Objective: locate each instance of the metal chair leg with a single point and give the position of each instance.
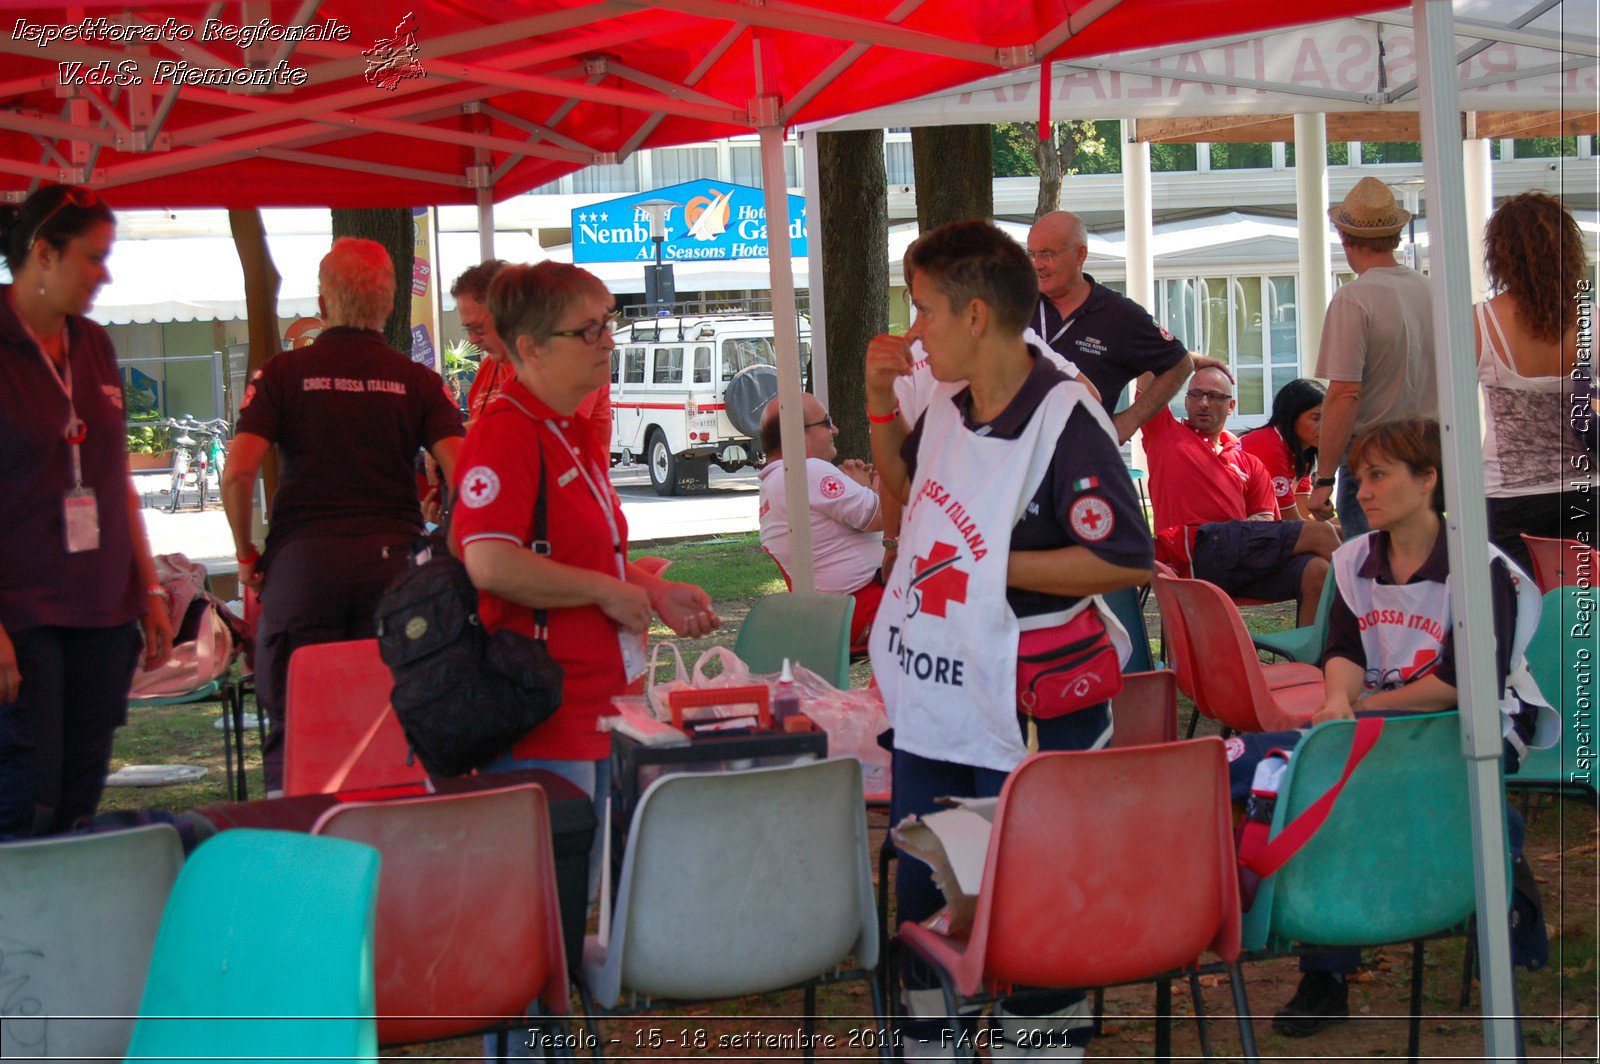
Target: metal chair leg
(1241, 1005)
(1469, 963)
(590, 1023)
(1200, 1013)
(1194, 719)
(880, 1014)
(1414, 1042)
(1099, 1010)
(811, 1018)
(886, 853)
(1164, 1019)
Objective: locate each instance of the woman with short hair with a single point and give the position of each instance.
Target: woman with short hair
(555, 320)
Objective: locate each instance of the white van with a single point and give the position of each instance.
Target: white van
(687, 391)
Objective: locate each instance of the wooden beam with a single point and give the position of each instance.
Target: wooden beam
(1492, 124)
(1361, 125)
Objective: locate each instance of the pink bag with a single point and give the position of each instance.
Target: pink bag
(1069, 667)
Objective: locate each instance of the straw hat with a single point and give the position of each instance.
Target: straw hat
(1369, 210)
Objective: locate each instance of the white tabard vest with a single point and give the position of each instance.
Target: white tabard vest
(944, 643)
(1403, 628)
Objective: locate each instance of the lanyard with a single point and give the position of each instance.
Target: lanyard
(74, 431)
(600, 497)
(1065, 325)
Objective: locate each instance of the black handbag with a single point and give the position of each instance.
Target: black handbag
(462, 696)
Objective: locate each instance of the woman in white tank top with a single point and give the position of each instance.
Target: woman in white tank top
(1527, 347)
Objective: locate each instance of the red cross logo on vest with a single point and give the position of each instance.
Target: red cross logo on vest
(1420, 665)
(936, 582)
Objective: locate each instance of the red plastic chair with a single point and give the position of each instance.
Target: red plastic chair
(468, 928)
(1234, 687)
(1145, 711)
(1560, 562)
(342, 736)
(1069, 902)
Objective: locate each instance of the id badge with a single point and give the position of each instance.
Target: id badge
(634, 662)
(82, 520)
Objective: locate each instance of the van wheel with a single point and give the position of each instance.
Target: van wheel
(663, 464)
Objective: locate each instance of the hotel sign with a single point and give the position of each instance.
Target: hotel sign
(709, 220)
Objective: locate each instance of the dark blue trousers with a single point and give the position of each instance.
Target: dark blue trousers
(55, 738)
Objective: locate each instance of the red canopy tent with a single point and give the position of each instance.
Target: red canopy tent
(501, 94)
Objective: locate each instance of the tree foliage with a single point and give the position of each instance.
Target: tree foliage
(1077, 146)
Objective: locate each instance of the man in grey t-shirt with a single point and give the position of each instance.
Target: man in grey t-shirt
(1377, 343)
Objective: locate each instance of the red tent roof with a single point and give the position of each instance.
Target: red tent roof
(503, 93)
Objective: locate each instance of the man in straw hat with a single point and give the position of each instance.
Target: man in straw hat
(1377, 343)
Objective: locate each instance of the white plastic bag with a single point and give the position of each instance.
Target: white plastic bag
(717, 667)
(853, 720)
(657, 693)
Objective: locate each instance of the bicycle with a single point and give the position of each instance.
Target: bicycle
(200, 459)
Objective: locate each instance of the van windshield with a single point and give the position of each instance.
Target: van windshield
(745, 352)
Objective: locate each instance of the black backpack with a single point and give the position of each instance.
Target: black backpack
(463, 697)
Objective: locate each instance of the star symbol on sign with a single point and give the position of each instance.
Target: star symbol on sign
(936, 581)
(604, 217)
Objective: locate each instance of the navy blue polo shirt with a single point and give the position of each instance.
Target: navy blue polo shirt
(40, 583)
(347, 414)
(1086, 462)
(1110, 338)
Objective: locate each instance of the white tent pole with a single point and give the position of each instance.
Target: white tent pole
(1138, 217)
(485, 224)
(1475, 156)
(786, 336)
(819, 332)
(1467, 522)
(1311, 195)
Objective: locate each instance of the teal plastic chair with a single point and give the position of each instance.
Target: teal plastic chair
(1553, 658)
(811, 630)
(1125, 604)
(78, 916)
(1302, 644)
(265, 950)
(1392, 863)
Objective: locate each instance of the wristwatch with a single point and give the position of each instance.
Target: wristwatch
(1325, 482)
(891, 542)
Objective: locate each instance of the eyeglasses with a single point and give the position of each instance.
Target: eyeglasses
(590, 334)
(826, 422)
(1047, 255)
(475, 330)
(78, 197)
(1197, 395)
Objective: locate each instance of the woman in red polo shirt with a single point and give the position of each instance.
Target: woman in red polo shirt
(555, 320)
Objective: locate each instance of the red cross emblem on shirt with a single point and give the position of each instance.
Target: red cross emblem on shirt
(936, 582)
(1422, 664)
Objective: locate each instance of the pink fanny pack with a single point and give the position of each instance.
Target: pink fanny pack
(1069, 667)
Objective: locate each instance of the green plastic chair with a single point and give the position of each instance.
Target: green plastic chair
(1302, 644)
(1392, 863)
(265, 950)
(811, 630)
(1555, 656)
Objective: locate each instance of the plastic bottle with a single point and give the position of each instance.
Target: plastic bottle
(786, 701)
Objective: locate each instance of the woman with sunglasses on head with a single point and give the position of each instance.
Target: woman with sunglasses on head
(77, 582)
(555, 321)
(1287, 444)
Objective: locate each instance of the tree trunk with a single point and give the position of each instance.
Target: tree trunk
(854, 229)
(393, 228)
(955, 174)
(1047, 155)
(261, 307)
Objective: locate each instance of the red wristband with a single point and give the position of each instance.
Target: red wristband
(249, 559)
(886, 418)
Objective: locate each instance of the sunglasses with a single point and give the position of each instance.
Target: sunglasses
(81, 198)
(826, 422)
(590, 334)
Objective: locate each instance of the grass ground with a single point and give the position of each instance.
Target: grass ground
(1558, 1003)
